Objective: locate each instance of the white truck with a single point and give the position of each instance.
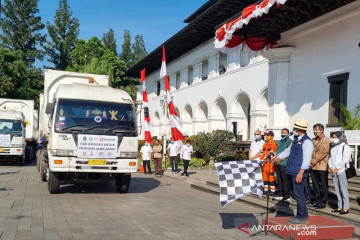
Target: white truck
(12, 136)
(26, 107)
(88, 129)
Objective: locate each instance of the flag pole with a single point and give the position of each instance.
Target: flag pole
(166, 130)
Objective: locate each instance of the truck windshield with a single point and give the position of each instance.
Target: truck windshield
(94, 116)
(9, 126)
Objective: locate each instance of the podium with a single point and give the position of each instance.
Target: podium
(319, 227)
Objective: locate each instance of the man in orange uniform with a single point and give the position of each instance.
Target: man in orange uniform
(268, 168)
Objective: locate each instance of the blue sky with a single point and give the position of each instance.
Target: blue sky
(156, 20)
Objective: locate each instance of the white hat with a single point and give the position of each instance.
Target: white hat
(301, 124)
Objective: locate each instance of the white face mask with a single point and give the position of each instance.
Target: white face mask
(335, 141)
(188, 144)
(295, 133)
(256, 137)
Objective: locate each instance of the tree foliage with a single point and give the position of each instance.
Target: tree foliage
(126, 54)
(352, 118)
(63, 36)
(17, 80)
(21, 28)
(94, 57)
(109, 41)
(138, 48)
(214, 144)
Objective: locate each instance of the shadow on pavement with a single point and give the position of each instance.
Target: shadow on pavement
(235, 220)
(5, 189)
(6, 173)
(137, 185)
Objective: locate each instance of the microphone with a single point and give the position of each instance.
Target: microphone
(290, 134)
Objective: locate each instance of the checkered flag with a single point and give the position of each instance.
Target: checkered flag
(238, 179)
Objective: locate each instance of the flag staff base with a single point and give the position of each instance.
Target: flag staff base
(266, 231)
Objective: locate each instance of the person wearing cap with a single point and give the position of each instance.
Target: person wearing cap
(299, 157)
(256, 146)
(268, 168)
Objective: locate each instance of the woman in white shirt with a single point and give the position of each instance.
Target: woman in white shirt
(340, 154)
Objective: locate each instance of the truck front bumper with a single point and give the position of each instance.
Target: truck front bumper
(74, 164)
(10, 153)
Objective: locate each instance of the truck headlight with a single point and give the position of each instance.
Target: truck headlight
(62, 152)
(128, 154)
(16, 145)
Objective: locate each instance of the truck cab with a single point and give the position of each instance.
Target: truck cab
(92, 136)
(12, 136)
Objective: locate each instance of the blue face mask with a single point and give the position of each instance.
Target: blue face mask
(172, 141)
(256, 137)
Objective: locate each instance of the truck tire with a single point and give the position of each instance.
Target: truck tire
(53, 183)
(122, 182)
(21, 160)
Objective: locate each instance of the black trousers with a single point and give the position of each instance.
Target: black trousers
(320, 184)
(174, 163)
(186, 165)
(147, 165)
(283, 180)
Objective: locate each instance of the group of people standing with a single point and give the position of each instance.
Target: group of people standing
(294, 161)
(173, 150)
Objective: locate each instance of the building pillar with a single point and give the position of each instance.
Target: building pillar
(278, 84)
(172, 82)
(197, 72)
(184, 77)
(233, 59)
(213, 65)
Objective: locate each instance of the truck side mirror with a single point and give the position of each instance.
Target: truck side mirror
(49, 107)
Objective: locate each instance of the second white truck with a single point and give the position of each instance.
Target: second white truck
(89, 131)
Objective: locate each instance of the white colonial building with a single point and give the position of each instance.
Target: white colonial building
(315, 64)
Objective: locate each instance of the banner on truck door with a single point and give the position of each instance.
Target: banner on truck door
(5, 140)
(97, 146)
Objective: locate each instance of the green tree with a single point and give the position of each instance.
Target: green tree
(21, 28)
(214, 144)
(17, 80)
(63, 36)
(126, 54)
(138, 48)
(352, 118)
(109, 41)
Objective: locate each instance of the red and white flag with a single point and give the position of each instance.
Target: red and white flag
(174, 119)
(147, 128)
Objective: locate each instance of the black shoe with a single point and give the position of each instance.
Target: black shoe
(320, 206)
(314, 204)
(187, 174)
(182, 174)
(343, 212)
(336, 210)
(150, 172)
(145, 173)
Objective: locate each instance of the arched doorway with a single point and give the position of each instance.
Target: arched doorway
(201, 118)
(241, 111)
(187, 120)
(219, 115)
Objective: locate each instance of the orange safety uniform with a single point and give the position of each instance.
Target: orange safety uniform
(268, 175)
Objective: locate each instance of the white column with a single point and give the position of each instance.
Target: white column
(233, 59)
(184, 77)
(172, 82)
(213, 65)
(279, 62)
(197, 72)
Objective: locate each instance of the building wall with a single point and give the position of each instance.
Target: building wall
(324, 47)
(298, 86)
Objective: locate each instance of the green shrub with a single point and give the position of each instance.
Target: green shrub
(197, 162)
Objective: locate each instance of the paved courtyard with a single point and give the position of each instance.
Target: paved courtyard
(154, 208)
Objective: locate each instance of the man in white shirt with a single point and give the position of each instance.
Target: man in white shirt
(185, 154)
(172, 150)
(256, 146)
(146, 151)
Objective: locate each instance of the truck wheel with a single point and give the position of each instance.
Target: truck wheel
(53, 183)
(21, 160)
(122, 182)
(42, 171)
